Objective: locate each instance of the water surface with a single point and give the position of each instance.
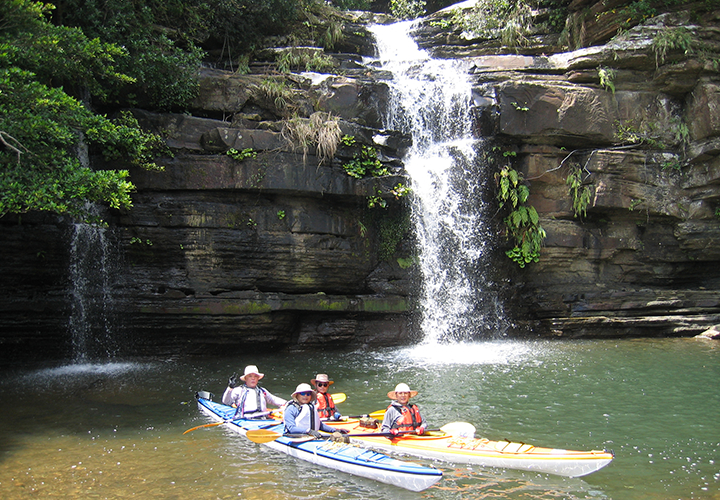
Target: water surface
(115, 430)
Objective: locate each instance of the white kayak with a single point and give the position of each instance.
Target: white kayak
(343, 457)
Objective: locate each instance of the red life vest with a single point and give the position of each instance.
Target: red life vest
(410, 418)
(325, 405)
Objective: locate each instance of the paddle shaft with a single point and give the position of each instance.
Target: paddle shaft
(387, 434)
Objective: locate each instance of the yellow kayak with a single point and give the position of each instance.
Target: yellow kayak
(480, 451)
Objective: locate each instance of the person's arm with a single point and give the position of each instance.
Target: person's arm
(227, 398)
(291, 412)
(391, 414)
(273, 400)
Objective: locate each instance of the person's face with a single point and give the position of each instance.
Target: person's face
(251, 380)
(304, 397)
(402, 397)
(322, 386)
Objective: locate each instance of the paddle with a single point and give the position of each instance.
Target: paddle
(265, 436)
(375, 414)
(340, 397)
(223, 422)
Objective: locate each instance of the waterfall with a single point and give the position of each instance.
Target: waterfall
(94, 262)
(432, 100)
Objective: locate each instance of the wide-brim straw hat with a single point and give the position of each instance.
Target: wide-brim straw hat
(401, 388)
(252, 369)
(304, 388)
(321, 377)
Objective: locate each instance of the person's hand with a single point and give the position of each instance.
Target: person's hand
(233, 381)
(314, 433)
(337, 415)
(342, 431)
(420, 430)
(394, 432)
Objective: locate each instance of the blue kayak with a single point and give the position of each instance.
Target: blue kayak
(343, 457)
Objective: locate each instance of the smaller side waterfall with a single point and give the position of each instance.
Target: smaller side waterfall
(431, 100)
(94, 263)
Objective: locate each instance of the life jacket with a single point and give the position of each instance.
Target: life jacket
(325, 405)
(409, 419)
(307, 418)
(260, 405)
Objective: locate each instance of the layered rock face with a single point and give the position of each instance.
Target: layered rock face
(639, 126)
(274, 246)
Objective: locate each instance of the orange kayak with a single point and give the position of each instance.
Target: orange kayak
(480, 451)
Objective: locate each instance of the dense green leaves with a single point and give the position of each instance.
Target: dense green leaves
(46, 135)
(522, 221)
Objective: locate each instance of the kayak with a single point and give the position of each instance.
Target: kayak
(344, 457)
(506, 454)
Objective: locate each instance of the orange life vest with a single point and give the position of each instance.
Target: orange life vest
(410, 418)
(325, 405)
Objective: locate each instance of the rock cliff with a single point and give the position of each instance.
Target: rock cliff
(255, 237)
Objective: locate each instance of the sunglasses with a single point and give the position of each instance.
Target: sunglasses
(304, 393)
(323, 384)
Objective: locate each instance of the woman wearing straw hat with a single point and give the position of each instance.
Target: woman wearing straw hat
(250, 399)
(301, 416)
(325, 404)
(401, 416)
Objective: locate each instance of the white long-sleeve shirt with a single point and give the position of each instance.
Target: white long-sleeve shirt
(250, 400)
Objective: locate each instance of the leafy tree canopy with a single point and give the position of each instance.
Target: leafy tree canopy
(45, 132)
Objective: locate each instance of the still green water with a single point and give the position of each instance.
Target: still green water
(116, 430)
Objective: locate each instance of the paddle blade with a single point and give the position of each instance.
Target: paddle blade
(201, 426)
(262, 436)
(340, 397)
(380, 414)
(459, 429)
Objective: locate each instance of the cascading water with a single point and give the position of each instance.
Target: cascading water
(93, 325)
(432, 100)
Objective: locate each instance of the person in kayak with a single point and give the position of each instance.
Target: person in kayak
(250, 399)
(401, 416)
(301, 415)
(325, 404)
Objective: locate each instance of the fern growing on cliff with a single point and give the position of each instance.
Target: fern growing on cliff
(579, 192)
(523, 221)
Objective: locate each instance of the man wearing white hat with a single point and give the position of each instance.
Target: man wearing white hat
(401, 416)
(250, 399)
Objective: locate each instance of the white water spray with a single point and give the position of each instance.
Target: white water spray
(431, 99)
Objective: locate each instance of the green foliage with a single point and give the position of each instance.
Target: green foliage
(392, 227)
(671, 39)
(165, 70)
(304, 60)
(607, 77)
(365, 162)
(352, 4)
(44, 131)
(376, 201)
(508, 20)
(281, 214)
(407, 9)
(241, 155)
(579, 192)
(522, 222)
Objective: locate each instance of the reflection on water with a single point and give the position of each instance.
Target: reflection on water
(116, 430)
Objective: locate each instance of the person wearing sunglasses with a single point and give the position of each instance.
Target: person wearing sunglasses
(301, 415)
(325, 404)
(401, 416)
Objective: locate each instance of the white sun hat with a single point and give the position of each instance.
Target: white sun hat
(252, 369)
(401, 387)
